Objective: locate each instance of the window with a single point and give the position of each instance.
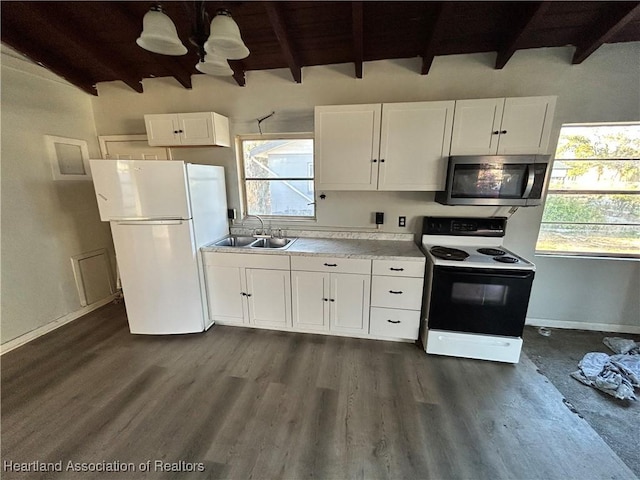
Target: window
(593, 200)
(278, 175)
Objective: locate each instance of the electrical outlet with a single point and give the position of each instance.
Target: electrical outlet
(379, 218)
(402, 221)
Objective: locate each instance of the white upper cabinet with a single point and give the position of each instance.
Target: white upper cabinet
(414, 145)
(198, 128)
(526, 125)
(502, 126)
(347, 142)
(391, 146)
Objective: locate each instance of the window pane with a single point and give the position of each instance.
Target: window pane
(602, 141)
(593, 199)
(595, 175)
(592, 208)
(284, 158)
(280, 197)
(590, 239)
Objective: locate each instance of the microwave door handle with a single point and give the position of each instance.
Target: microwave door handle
(530, 180)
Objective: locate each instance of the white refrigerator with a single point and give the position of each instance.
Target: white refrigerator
(161, 212)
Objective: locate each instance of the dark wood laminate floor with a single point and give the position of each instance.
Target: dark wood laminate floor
(264, 404)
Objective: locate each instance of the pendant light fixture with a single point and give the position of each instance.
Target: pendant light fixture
(215, 65)
(159, 34)
(216, 42)
(225, 39)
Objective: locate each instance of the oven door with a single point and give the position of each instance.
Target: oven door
(474, 300)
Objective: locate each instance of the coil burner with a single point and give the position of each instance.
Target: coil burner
(494, 252)
(448, 253)
(506, 259)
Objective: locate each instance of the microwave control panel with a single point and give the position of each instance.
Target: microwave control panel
(478, 227)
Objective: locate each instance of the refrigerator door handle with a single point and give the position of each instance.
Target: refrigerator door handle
(150, 222)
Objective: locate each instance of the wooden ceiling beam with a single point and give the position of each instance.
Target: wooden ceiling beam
(274, 12)
(606, 28)
(99, 56)
(520, 33)
(49, 60)
(174, 66)
(433, 37)
(358, 36)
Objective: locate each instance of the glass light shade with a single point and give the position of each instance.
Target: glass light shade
(215, 65)
(225, 40)
(159, 35)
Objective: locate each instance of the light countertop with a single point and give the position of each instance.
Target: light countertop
(338, 247)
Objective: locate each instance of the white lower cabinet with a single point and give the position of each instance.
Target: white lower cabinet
(349, 303)
(394, 323)
(268, 297)
(331, 302)
(248, 289)
(310, 294)
(396, 298)
(224, 294)
(316, 294)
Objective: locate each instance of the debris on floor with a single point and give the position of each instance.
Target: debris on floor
(618, 375)
(544, 331)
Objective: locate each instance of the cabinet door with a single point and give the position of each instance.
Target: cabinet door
(224, 294)
(414, 145)
(476, 126)
(349, 302)
(196, 128)
(310, 294)
(269, 297)
(526, 125)
(347, 142)
(162, 129)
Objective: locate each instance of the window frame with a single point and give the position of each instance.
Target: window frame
(239, 139)
(568, 193)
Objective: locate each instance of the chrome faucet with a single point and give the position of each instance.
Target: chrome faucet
(262, 231)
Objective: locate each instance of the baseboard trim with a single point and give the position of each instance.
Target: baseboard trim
(571, 325)
(49, 327)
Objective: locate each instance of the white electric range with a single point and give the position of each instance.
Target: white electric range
(476, 291)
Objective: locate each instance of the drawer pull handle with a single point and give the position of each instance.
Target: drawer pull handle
(325, 299)
(396, 269)
(330, 264)
(393, 321)
(332, 299)
(395, 293)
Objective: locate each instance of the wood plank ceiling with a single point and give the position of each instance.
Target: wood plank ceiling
(91, 42)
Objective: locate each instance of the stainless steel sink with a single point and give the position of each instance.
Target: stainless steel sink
(235, 241)
(253, 242)
(271, 242)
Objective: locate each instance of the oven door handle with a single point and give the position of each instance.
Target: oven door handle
(531, 178)
(487, 273)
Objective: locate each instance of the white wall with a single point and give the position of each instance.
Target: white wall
(44, 222)
(606, 87)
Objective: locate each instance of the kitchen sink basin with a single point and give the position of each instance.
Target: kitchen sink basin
(235, 241)
(271, 243)
(253, 242)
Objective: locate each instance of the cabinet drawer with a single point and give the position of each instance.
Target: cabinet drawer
(246, 260)
(387, 322)
(399, 268)
(396, 292)
(331, 264)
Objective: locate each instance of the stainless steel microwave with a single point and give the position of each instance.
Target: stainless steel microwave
(507, 180)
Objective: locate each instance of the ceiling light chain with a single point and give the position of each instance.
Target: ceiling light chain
(216, 43)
